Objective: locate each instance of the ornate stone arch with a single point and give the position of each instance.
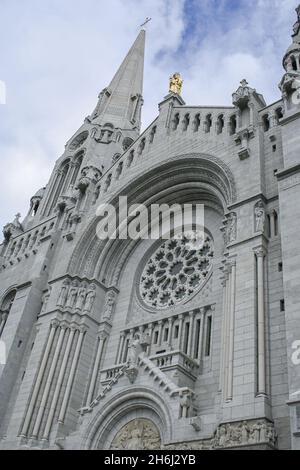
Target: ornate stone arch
(204, 175)
(138, 402)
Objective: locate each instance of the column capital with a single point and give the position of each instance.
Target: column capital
(260, 252)
(103, 334)
(55, 323)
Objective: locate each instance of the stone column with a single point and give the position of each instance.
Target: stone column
(39, 379)
(59, 383)
(201, 334)
(160, 323)
(223, 334)
(101, 342)
(45, 395)
(180, 331)
(121, 348)
(150, 328)
(191, 331)
(227, 331)
(71, 376)
(261, 325)
(231, 330)
(170, 333)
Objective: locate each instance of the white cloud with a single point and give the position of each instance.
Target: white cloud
(56, 56)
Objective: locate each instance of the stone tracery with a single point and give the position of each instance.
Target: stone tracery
(177, 269)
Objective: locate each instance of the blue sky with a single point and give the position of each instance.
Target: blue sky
(56, 55)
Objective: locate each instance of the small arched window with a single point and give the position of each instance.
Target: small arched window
(294, 63)
(142, 146)
(197, 122)
(208, 123)
(220, 124)
(279, 113)
(232, 125)
(152, 134)
(185, 122)
(266, 122)
(275, 217)
(77, 161)
(5, 309)
(176, 121)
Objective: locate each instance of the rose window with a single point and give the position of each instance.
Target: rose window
(177, 269)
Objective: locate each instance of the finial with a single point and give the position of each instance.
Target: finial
(176, 83)
(244, 83)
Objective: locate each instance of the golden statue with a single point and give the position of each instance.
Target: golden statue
(176, 83)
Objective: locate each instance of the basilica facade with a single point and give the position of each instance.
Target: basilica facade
(154, 344)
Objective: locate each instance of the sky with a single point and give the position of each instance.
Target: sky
(57, 55)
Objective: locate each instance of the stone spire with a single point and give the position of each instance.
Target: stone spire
(120, 103)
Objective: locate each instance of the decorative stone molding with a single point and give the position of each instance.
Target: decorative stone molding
(229, 228)
(233, 435)
(76, 296)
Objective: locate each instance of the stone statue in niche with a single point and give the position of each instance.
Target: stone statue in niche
(139, 434)
(72, 294)
(81, 298)
(63, 295)
(109, 304)
(90, 298)
(135, 349)
(260, 217)
(232, 227)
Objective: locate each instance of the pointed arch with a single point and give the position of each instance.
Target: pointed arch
(188, 176)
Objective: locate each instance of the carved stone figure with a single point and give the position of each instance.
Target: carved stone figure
(109, 304)
(134, 350)
(90, 298)
(244, 432)
(176, 83)
(80, 298)
(260, 217)
(139, 434)
(63, 293)
(231, 227)
(72, 294)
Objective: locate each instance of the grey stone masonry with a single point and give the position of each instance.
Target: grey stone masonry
(159, 344)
